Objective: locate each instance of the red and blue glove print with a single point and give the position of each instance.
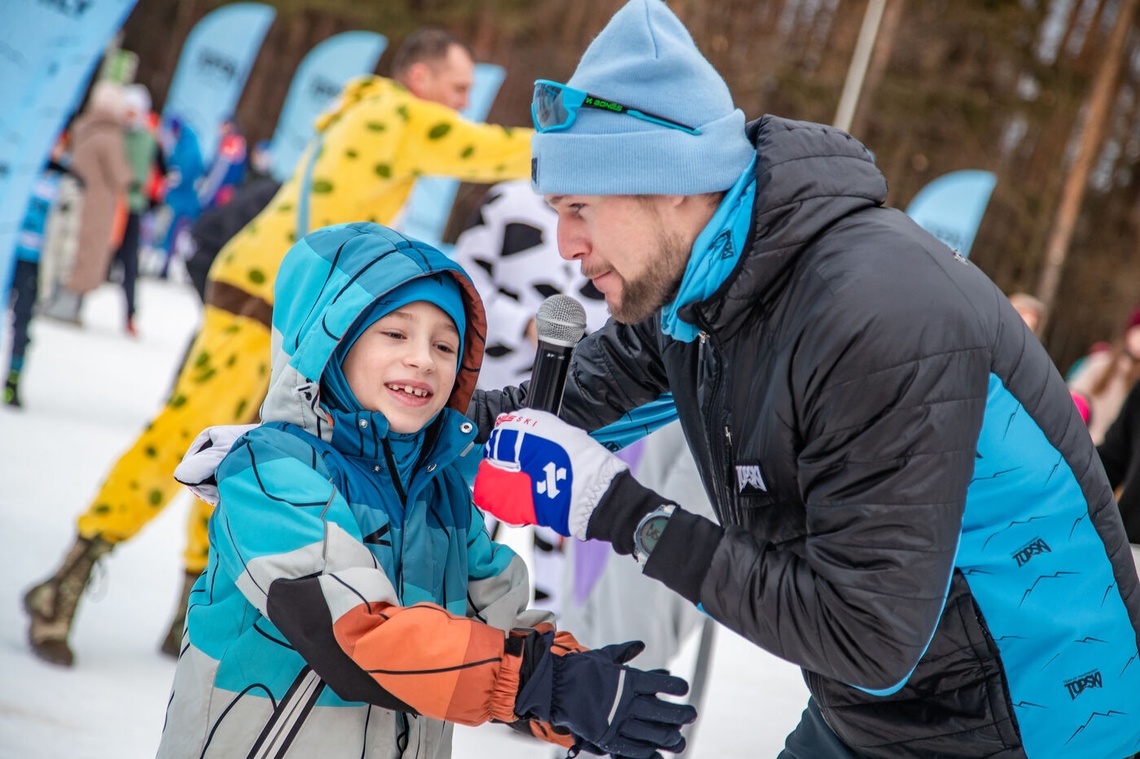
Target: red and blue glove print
(540, 470)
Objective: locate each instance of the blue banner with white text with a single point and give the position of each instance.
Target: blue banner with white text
(951, 207)
(213, 67)
(320, 77)
(50, 49)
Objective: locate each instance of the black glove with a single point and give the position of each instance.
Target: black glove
(619, 511)
(610, 707)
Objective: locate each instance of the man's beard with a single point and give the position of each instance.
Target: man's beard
(657, 286)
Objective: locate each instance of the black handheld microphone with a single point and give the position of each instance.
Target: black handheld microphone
(561, 322)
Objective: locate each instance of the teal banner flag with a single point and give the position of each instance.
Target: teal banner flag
(951, 207)
(212, 69)
(49, 50)
(320, 77)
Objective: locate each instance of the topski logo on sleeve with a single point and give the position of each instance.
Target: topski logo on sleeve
(749, 479)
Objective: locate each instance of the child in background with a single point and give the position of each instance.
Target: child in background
(227, 172)
(353, 605)
(1105, 377)
(1033, 313)
(30, 244)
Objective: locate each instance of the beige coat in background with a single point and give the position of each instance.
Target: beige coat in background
(100, 159)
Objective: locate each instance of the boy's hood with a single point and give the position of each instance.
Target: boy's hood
(325, 283)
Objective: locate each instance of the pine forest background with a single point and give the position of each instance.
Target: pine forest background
(1008, 86)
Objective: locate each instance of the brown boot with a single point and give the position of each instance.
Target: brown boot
(52, 603)
(172, 643)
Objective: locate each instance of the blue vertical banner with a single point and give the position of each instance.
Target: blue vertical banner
(428, 208)
(212, 69)
(320, 77)
(49, 50)
(951, 207)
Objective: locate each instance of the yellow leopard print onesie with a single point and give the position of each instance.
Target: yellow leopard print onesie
(373, 145)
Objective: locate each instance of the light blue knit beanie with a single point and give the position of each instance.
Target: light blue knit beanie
(646, 59)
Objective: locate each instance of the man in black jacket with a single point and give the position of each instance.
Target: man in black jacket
(909, 505)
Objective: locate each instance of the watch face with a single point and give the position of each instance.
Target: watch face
(650, 533)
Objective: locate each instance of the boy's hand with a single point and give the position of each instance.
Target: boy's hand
(538, 469)
(611, 707)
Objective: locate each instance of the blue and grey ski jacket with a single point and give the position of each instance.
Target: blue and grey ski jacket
(346, 613)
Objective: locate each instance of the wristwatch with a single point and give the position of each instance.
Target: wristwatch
(649, 531)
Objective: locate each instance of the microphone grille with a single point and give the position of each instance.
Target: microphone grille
(561, 320)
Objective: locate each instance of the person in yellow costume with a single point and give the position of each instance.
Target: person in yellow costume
(368, 151)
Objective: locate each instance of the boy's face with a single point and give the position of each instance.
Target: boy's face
(404, 365)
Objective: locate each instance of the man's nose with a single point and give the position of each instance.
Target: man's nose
(571, 246)
(462, 99)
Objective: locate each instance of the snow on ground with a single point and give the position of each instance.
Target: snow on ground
(87, 391)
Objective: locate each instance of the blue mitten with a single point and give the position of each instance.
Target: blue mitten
(611, 707)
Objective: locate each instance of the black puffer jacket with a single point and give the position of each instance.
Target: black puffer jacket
(913, 511)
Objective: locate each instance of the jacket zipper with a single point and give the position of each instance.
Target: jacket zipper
(730, 511)
(738, 517)
(390, 458)
(288, 717)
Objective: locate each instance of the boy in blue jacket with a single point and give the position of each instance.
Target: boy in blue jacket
(353, 605)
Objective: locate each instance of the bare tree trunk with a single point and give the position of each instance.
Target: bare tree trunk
(880, 57)
(849, 98)
(1100, 101)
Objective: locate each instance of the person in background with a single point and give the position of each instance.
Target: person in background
(1105, 377)
(218, 225)
(260, 160)
(142, 154)
(98, 156)
(184, 169)
(228, 170)
(1031, 310)
(908, 505)
(1120, 454)
(30, 244)
(61, 235)
(508, 248)
(369, 149)
(349, 569)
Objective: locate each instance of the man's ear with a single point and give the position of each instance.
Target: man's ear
(692, 212)
(416, 77)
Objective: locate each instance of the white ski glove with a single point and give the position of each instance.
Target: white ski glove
(200, 464)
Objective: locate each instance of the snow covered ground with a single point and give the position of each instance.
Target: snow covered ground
(87, 392)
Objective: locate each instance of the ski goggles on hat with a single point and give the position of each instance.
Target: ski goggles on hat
(555, 107)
